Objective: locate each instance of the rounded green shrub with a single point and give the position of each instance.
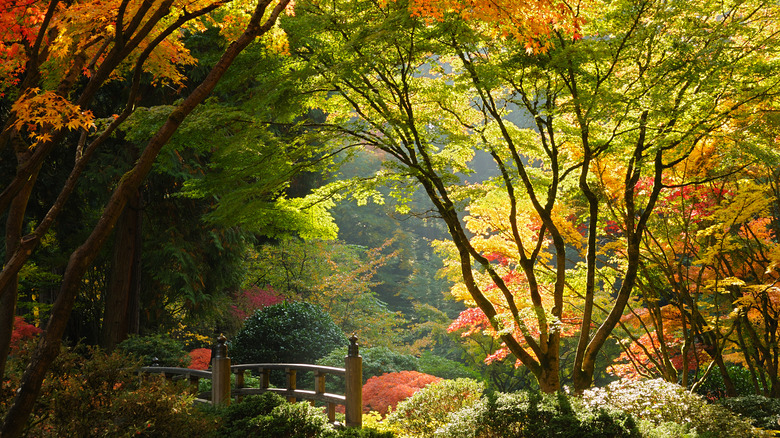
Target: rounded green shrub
(293, 420)
(530, 414)
(159, 349)
(296, 332)
(763, 412)
(656, 402)
(364, 433)
(236, 419)
(429, 408)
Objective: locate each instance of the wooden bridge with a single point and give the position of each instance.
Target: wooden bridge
(222, 391)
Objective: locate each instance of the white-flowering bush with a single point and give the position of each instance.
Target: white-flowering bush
(656, 402)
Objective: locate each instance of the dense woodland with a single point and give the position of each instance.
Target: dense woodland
(537, 195)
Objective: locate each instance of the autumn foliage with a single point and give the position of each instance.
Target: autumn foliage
(200, 358)
(529, 21)
(22, 332)
(254, 298)
(382, 393)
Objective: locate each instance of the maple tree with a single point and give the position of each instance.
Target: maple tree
(709, 283)
(432, 94)
(55, 58)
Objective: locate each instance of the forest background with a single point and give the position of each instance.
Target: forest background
(599, 181)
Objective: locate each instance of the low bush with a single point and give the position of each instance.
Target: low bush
(656, 402)
(429, 408)
(235, 419)
(200, 358)
(159, 349)
(89, 393)
(296, 332)
(763, 412)
(530, 414)
(269, 416)
(293, 420)
(381, 393)
(22, 332)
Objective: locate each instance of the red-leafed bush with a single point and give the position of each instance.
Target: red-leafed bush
(199, 358)
(22, 332)
(385, 391)
(255, 298)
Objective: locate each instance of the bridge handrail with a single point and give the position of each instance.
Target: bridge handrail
(201, 374)
(283, 366)
(221, 387)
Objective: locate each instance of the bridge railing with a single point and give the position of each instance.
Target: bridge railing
(222, 391)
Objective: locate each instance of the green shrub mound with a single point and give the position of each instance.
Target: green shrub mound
(167, 352)
(763, 412)
(296, 332)
(664, 409)
(269, 416)
(530, 414)
(429, 408)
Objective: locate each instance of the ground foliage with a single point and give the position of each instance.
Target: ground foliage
(90, 393)
(659, 404)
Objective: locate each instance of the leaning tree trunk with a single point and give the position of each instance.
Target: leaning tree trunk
(49, 344)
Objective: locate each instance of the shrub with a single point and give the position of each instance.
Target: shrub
(200, 358)
(530, 414)
(97, 394)
(381, 393)
(763, 412)
(22, 332)
(293, 420)
(268, 415)
(167, 351)
(713, 387)
(296, 332)
(428, 409)
(657, 402)
(236, 418)
(364, 433)
(445, 368)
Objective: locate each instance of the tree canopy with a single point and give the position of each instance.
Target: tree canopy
(582, 135)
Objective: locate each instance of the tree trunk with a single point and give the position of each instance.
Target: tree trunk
(123, 285)
(9, 296)
(549, 378)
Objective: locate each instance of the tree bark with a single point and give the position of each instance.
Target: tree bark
(118, 317)
(9, 295)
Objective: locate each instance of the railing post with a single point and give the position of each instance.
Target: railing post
(319, 389)
(291, 383)
(354, 391)
(220, 374)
